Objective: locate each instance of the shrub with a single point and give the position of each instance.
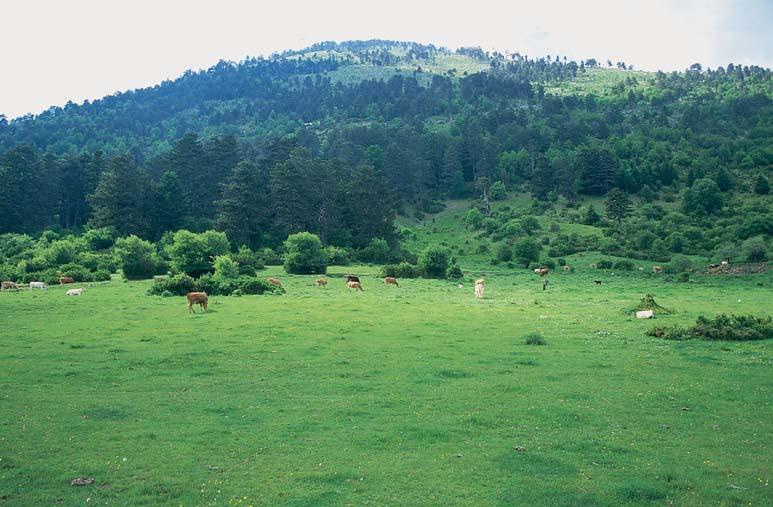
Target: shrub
(62, 251)
(378, 251)
(624, 265)
(137, 258)
(549, 263)
(454, 272)
(434, 261)
(678, 264)
(535, 339)
(100, 239)
(249, 261)
(402, 270)
(604, 264)
(504, 252)
(497, 191)
(179, 285)
(561, 261)
(269, 257)
(755, 249)
(77, 272)
(97, 260)
(194, 253)
(304, 254)
(722, 327)
(166, 294)
(683, 277)
(555, 227)
(529, 224)
(102, 275)
(526, 250)
(225, 267)
(337, 256)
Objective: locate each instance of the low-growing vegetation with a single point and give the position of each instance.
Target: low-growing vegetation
(721, 327)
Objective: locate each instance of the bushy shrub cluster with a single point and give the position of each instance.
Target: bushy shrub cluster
(722, 327)
(181, 284)
(402, 270)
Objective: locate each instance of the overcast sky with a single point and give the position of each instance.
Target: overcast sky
(53, 51)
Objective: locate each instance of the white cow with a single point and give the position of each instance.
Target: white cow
(645, 314)
(479, 286)
(38, 285)
(75, 292)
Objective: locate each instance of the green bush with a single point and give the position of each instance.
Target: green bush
(549, 263)
(77, 272)
(454, 272)
(434, 261)
(679, 264)
(721, 327)
(402, 270)
(378, 251)
(624, 265)
(249, 261)
(604, 264)
(526, 250)
(194, 253)
(269, 257)
(137, 258)
(505, 252)
(337, 256)
(755, 249)
(100, 239)
(304, 254)
(102, 275)
(497, 192)
(179, 285)
(225, 267)
(534, 339)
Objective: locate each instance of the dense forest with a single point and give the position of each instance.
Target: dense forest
(340, 138)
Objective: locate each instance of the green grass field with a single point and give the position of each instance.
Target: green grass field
(416, 395)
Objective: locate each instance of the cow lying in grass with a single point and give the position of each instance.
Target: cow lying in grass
(75, 292)
(197, 297)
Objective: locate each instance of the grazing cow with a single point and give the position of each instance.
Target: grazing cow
(75, 292)
(597, 282)
(645, 314)
(66, 279)
(321, 282)
(352, 278)
(479, 287)
(9, 286)
(593, 265)
(274, 281)
(38, 285)
(197, 297)
(537, 270)
(656, 269)
(355, 286)
(544, 271)
(567, 269)
(391, 280)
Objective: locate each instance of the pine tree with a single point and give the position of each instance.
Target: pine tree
(367, 208)
(171, 202)
(121, 199)
(597, 170)
(241, 208)
(761, 186)
(618, 204)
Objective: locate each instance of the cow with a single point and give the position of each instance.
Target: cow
(537, 270)
(597, 282)
(391, 280)
(38, 285)
(567, 269)
(274, 281)
(321, 282)
(9, 286)
(197, 297)
(544, 271)
(66, 279)
(656, 269)
(75, 292)
(645, 314)
(352, 278)
(479, 287)
(355, 286)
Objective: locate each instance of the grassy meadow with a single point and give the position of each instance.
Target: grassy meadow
(410, 395)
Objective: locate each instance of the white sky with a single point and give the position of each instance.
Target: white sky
(52, 51)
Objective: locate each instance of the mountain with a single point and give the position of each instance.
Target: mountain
(270, 146)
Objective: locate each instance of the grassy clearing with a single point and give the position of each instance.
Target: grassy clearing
(405, 396)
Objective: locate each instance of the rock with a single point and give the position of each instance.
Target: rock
(519, 448)
(459, 455)
(82, 481)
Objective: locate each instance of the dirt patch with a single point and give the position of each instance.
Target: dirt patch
(737, 269)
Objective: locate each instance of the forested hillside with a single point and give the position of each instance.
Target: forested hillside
(338, 139)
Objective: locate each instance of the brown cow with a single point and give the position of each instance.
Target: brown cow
(321, 282)
(657, 269)
(197, 297)
(391, 280)
(274, 281)
(355, 286)
(544, 271)
(66, 279)
(9, 286)
(352, 278)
